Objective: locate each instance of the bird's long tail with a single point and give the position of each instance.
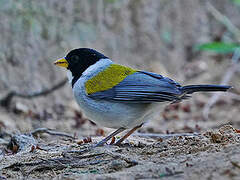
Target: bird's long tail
(198, 88)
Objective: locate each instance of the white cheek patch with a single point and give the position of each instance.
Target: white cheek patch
(70, 76)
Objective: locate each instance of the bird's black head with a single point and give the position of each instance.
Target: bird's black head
(78, 60)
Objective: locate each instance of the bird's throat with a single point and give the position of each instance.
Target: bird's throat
(70, 77)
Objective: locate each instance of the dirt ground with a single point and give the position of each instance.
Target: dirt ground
(209, 155)
(198, 149)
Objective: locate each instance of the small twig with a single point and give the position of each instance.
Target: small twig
(70, 155)
(51, 132)
(165, 136)
(225, 80)
(235, 164)
(224, 20)
(235, 59)
(6, 101)
(233, 96)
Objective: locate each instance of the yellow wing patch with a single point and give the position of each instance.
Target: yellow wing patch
(108, 78)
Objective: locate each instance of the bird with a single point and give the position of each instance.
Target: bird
(121, 97)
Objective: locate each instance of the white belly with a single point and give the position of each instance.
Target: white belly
(111, 114)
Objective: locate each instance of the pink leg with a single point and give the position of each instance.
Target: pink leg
(102, 142)
(126, 135)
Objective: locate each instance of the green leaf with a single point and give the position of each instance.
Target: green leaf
(218, 47)
(110, 1)
(237, 2)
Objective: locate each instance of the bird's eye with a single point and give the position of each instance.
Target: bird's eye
(74, 59)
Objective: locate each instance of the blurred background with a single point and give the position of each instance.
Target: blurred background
(193, 42)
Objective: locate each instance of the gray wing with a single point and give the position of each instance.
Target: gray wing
(142, 87)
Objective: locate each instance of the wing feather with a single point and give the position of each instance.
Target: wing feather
(142, 87)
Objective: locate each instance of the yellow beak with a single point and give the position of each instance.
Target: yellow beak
(62, 62)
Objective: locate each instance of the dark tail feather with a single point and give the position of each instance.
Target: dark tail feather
(196, 88)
